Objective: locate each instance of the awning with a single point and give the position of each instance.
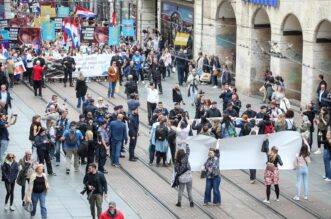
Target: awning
(272, 3)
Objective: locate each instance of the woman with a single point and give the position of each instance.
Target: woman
(9, 175)
(327, 157)
(90, 148)
(193, 81)
(323, 122)
(289, 115)
(177, 95)
(271, 175)
(183, 171)
(280, 124)
(301, 164)
(38, 187)
(81, 89)
(236, 103)
(34, 130)
(182, 132)
(26, 165)
(216, 71)
(213, 178)
(228, 128)
(278, 95)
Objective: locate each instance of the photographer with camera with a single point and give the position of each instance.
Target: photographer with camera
(96, 187)
(193, 81)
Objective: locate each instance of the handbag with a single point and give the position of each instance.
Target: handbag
(215, 73)
(28, 207)
(271, 167)
(265, 146)
(203, 174)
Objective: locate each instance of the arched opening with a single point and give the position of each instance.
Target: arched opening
(322, 51)
(290, 52)
(260, 48)
(226, 30)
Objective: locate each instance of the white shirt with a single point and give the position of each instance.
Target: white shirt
(4, 96)
(29, 59)
(152, 95)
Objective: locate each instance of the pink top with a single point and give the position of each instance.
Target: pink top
(302, 162)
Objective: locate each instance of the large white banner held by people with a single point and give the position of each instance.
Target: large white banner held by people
(93, 65)
(245, 152)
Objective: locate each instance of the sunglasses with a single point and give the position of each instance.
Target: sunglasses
(10, 157)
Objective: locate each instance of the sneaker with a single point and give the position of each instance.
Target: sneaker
(252, 181)
(57, 164)
(306, 197)
(324, 177)
(318, 151)
(12, 208)
(296, 198)
(117, 165)
(266, 201)
(52, 174)
(67, 171)
(205, 204)
(327, 180)
(277, 200)
(217, 204)
(215, 87)
(6, 207)
(191, 204)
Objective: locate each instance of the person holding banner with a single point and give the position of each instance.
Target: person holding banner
(113, 76)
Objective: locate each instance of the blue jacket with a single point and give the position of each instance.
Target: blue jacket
(118, 131)
(79, 136)
(133, 125)
(9, 172)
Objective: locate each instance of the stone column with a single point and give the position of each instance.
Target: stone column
(145, 16)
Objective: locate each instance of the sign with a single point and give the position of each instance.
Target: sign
(47, 10)
(13, 34)
(26, 35)
(101, 35)
(93, 65)
(114, 36)
(17, 22)
(58, 23)
(34, 7)
(63, 11)
(87, 34)
(181, 39)
(19, 68)
(37, 22)
(128, 27)
(48, 31)
(3, 24)
(4, 36)
(273, 3)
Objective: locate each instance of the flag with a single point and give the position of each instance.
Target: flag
(71, 32)
(66, 30)
(75, 37)
(83, 12)
(113, 18)
(38, 9)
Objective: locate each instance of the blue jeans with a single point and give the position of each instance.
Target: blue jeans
(116, 152)
(326, 158)
(3, 149)
(41, 197)
(111, 88)
(302, 173)
(215, 185)
(180, 72)
(58, 145)
(80, 101)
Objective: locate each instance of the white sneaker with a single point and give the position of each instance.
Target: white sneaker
(252, 181)
(306, 197)
(318, 151)
(266, 201)
(215, 86)
(296, 198)
(6, 207)
(324, 177)
(143, 82)
(12, 208)
(327, 180)
(277, 200)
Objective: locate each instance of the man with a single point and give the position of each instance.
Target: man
(138, 60)
(162, 109)
(133, 103)
(262, 112)
(152, 99)
(226, 96)
(322, 82)
(89, 97)
(311, 116)
(230, 111)
(5, 99)
(69, 66)
(225, 76)
(156, 74)
(61, 125)
(72, 139)
(91, 108)
(133, 133)
(323, 96)
(274, 110)
(103, 141)
(130, 86)
(112, 212)
(118, 134)
(176, 113)
(181, 64)
(96, 186)
(50, 116)
(29, 66)
(213, 111)
(249, 112)
(119, 63)
(4, 134)
(37, 78)
(113, 76)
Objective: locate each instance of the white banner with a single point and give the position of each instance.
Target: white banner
(93, 65)
(245, 152)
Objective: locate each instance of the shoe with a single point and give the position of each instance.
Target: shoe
(23, 203)
(252, 181)
(133, 160)
(105, 172)
(136, 158)
(52, 174)
(324, 177)
(65, 85)
(296, 198)
(6, 207)
(12, 208)
(191, 204)
(205, 204)
(215, 87)
(165, 165)
(57, 164)
(150, 164)
(117, 165)
(179, 204)
(306, 197)
(318, 151)
(217, 204)
(277, 200)
(266, 201)
(327, 180)
(122, 151)
(67, 171)
(78, 106)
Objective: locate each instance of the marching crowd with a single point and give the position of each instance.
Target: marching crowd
(101, 132)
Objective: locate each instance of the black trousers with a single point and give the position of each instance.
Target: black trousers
(158, 84)
(29, 75)
(160, 155)
(43, 156)
(150, 109)
(67, 73)
(10, 192)
(321, 137)
(102, 158)
(132, 146)
(37, 87)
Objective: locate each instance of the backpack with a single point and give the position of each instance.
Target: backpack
(232, 131)
(83, 149)
(246, 129)
(161, 132)
(71, 138)
(269, 128)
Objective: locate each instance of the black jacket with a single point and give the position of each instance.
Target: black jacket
(67, 62)
(101, 183)
(156, 72)
(212, 113)
(133, 125)
(118, 59)
(81, 88)
(176, 96)
(174, 112)
(131, 87)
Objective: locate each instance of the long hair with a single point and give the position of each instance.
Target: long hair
(179, 155)
(88, 135)
(273, 154)
(304, 151)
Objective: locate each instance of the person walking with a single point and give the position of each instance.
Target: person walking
(271, 173)
(69, 66)
(327, 157)
(96, 186)
(193, 81)
(9, 174)
(112, 212)
(323, 122)
(158, 138)
(4, 134)
(103, 144)
(213, 178)
(38, 187)
(81, 89)
(72, 139)
(152, 100)
(37, 78)
(113, 76)
(133, 126)
(301, 163)
(61, 125)
(156, 75)
(118, 134)
(183, 171)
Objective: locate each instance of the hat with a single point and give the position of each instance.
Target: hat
(244, 118)
(112, 204)
(248, 105)
(214, 102)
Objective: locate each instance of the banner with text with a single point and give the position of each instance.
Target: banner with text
(93, 65)
(114, 36)
(127, 27)
(48, 31)
(4, 36)
(58, 23)
(63, 11)
(47, 10)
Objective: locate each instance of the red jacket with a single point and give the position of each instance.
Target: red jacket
(37, 73)
(105, 215)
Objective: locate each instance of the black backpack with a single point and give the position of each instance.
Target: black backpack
(161, 132)
(71, 138)
(246, 129)
(83, 149)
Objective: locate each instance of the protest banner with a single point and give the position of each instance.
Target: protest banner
(63, 11)
(19, 68)
(46, 10)
(2, 9)
(58, 23)
(13, 34)
(181, 39)
(93, 65)
(34, 7)
(101, 35)
(87, 34)
(17, 22)
(114, 36)
(3, 24)
(37, 22)
(48, 31)
(245, 152)
(127, 27)
(4, 36)
(28, 35)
